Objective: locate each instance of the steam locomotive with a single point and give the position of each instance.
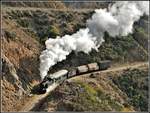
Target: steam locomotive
(62, 75)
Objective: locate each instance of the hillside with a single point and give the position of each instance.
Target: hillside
(59, 4)
(20, 61)
(26, 26)
(108, 91)
(46, 4)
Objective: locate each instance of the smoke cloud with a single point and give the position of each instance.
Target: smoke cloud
(117, 20)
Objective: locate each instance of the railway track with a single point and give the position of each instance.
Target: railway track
(36, 101)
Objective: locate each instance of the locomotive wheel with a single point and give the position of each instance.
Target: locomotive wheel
(42, 91)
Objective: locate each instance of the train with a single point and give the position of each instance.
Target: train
(61, 75)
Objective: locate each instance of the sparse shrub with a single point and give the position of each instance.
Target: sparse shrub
(12, 12)
(42, 40)
(10, 15)
(31, 32)
(23, 23)
(26, 13)
(53, 31)
(10, 35)
(41, 21)
(18, 13)
(78, 26)
(42, 33)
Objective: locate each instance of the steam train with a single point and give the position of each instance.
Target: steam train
(62, 75)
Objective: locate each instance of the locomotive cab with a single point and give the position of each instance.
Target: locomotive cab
(45, 83)
(50, 79)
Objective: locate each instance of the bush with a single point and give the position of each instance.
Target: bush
(10, 35)
(23, 23)
(41, 21)
(141, 37)
(53, 31)
(42, 40)
(27, 13)
(117, 48)
(135, 84)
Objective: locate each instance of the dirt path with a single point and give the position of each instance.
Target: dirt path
(127, 66)
(36, 100)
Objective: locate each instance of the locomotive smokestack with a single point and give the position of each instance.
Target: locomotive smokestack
(117, 20)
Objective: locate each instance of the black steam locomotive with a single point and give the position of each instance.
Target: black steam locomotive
(62, 75)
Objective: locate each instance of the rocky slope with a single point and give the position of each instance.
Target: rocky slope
(20, 62)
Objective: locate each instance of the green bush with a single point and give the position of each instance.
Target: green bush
(53, 31)
(23, 23)
(141, 37)
(41, 21)
(42, 40)
(135, 84)
(116, 48)
(27, 13)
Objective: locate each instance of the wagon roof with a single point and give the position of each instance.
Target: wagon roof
(105, 61)
(82, 67)
(92, 64)
(58, 74)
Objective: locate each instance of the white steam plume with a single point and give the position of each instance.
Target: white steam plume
(118, 19)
